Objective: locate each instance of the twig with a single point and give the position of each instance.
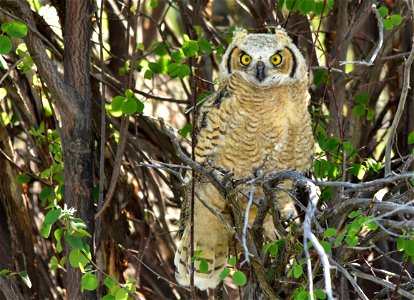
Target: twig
(382, 282)
(308, 235)
(117, 166)
(350, 279)
(246, 224)
(377, 48)
(400, 109)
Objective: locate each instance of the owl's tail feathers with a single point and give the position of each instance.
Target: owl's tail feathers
(214, 252)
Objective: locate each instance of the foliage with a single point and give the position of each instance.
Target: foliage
(168, 62)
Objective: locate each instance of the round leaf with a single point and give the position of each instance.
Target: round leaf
(117, 103)
(297, 271)
(383, 11)
(329, 232)
(5, 44)
(74, 241)
(129, 107)
(23, 178)
(76, 258)
(15, 29)
(409, 247)
(239, 278)
(396, 20)
(203, 267)
(89, 282)
(121, 294)
(224, 273)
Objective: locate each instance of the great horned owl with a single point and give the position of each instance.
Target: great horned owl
(257, 119)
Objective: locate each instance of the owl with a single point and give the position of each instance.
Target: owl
(257, 119)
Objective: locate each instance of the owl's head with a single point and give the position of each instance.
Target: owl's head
(263, 59)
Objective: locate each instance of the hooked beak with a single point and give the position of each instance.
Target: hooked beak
(260, 68)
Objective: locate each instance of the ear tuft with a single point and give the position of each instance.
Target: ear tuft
(238, 35)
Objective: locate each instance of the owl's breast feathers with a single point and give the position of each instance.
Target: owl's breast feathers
(243, 126)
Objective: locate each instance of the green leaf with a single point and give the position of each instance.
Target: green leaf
(190, 48)
(332, 144)
(148, 74)
(400, 243)
(23, 178)
(184, 71)
(204, 45)
(297, 271)
(362, 98)
(155, 67)
(272, 248)
(121, 294)
(330, 232)
(117, 103)
(359, 110)
(140, 105)
(160, 49)
(396, 20)
(110, 281)
(354, 214)
(352, 240)
(186, 130)
(129, 107)
(239, 278)
(5, 45)
(383, 11)
(370, 114)
(76, 258)
(224, 273)
(319, 294)
(6, 271)
(108, 297)
(52, 216)
(388, 24)
(140, 46)
(232, 261)
(89, 282)
(45, 230)
(326, 246)
(74, 241)
(173, 69)
(25, 277)
(154, 3)
(177, 55)
(339, 239)
(58, 234)
(306, 6)
(15, 29)
(411, 138)
(203, 267)
(82, 233)
(409, 247)
(320, 76)
(372, 225)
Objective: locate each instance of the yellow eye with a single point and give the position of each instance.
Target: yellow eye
(245, 59)
(276, 59)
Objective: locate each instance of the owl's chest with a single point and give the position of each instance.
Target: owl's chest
(252, 135)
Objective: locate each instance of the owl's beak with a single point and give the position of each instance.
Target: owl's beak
(260, 68)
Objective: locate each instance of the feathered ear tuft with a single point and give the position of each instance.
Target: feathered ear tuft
(282, 36)
(238, 35)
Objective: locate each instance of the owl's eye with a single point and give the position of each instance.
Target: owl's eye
(276, 59)
(245, 59)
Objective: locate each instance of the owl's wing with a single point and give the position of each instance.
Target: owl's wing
(208, 104)
(211, 123)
